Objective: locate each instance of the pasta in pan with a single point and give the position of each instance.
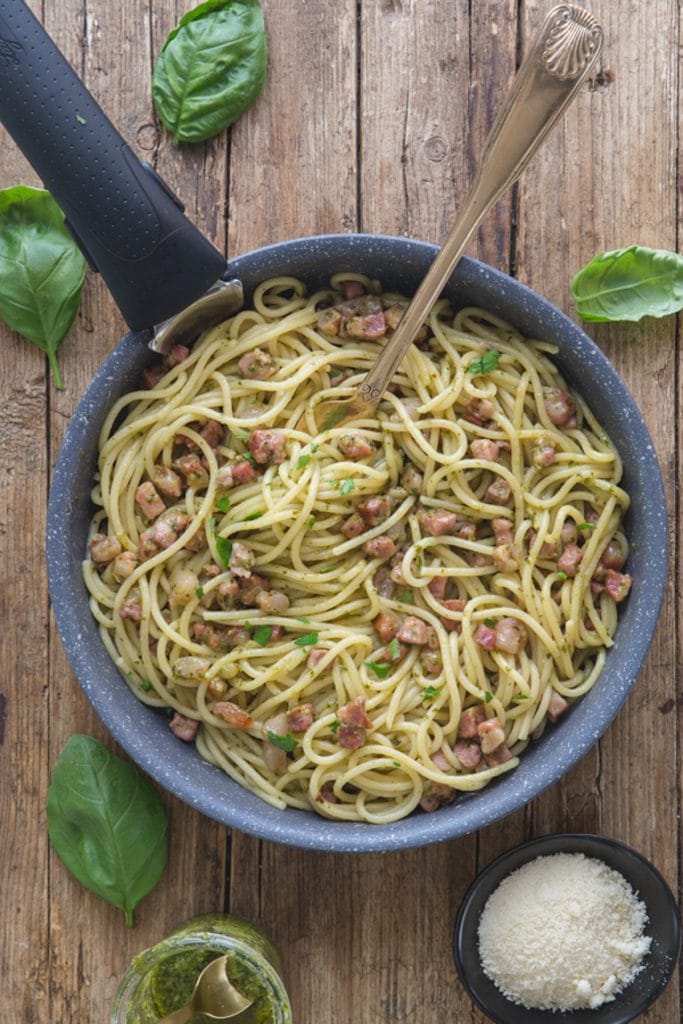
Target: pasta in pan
(377, 617)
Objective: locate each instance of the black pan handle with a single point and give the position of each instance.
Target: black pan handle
(125, 218)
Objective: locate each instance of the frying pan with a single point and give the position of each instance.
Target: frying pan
(156, 263)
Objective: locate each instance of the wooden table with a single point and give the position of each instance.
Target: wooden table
(372, 118)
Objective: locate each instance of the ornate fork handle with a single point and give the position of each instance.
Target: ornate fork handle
(563, 53)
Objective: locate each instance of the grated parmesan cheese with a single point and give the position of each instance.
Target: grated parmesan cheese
(563, 932)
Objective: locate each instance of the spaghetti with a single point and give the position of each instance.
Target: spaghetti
(373, 618)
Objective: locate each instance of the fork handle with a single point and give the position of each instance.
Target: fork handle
(563, 53)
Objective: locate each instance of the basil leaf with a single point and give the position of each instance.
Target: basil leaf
(106, 823)
(486, 363)
(303, 461)
(224, 551)
(306, 640)
(628, 284)
(286, 743)
(262, 634)
(347, 486)
(380, 670)
(210, 69)
(41, 270)
(223, 504)
(430, 692)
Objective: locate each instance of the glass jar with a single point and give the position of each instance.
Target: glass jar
(161, 979)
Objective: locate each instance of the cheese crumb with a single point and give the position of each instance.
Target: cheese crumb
(563, 932)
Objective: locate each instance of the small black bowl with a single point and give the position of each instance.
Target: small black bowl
(663, 926)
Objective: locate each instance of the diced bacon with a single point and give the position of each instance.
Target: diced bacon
(502, 531)
(486, 638)
(104, 549)
(479, 411)
(275, 634)
(237, 636)
(452, 604)
(151, 375)
(330, 321)
(184, 728)
(374, 509)
(353, 526)
(315, 656)
(386, 625)
(176, 356)
(369, 326)
(124, 565)
(394, 652)
(560, 407)
(232, 714)
(590, 514)
(413, 631)
(380, 547)
(393, 314)
(267, 446)
(483, 448)
(569, 533)
(438, 795)
(431, 662)
(147, 547)
(437, 587)
(470, 720)
(510, 635)
(251, 586)
(352, 289)
(383, 582)
(543, 455)
(466, 529)
(548, 549)
(617, 584)
(557, 705)
(441, 761)
(612, 557)
(506, 557)
(491, 735)
(477, 560)
(197, 542)
(192, 469)
(570, 559)
(411, 480)
(498, 756)
(191, 667)
(498, 493)
(355, 446)
(213, 433)
(234, 473)
(257, 365)
(166, 481)
(148, 501)
(301, 717)
(436, 524)
(241, 559)
(354, 724)
(326, 794)
(468, 754)
(131, 607)
(273, 602)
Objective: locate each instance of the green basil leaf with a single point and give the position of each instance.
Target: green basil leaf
(303, 461)
(486, 363)
(306, 640)
(223, 503)
(628, 284)
(286, 743)
(380, 670)
(347, 486)
(224, 551)
(210, 69)
(41, 270)
(106, 823)
(252, 515)
(262, 634)
(430, 692)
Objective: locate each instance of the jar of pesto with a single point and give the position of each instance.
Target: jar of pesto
(161, 979)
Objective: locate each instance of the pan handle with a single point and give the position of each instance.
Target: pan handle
(126, 220)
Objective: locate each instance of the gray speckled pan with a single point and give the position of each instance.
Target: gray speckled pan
(399, 264)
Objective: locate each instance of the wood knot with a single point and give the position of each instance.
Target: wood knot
(436, 149)
(147, 137)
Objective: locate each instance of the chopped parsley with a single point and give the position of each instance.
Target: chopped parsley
(250, 458)
(486, 363)
(223, 503)
(430, 692)
(396, 764)
(394, 649)
(303, 461)
(562, 575)
(587, 526)
(262, 634)
(307, 639)
(381, 671)
(488, 696)
(334, 725)
(145, 685)
(347, 486)
(286, 743)
(252, 516)
(224, 551)
(199, 591)
(310, 522)
(405, 596)
(490, 623)
(81, 120)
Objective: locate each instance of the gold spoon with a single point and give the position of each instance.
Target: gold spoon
(214, 995)
(564, 51)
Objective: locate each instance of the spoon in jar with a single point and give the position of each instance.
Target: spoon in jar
(563, 53)
(214, 996)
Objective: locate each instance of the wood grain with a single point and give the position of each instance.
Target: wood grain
(373, 118)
